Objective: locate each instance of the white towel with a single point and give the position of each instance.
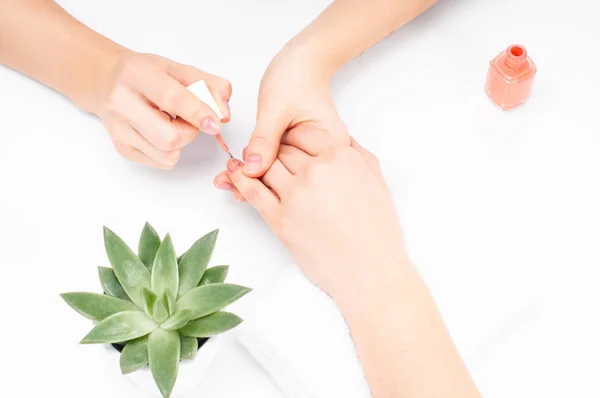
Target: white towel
(299, 336)
(296, 332)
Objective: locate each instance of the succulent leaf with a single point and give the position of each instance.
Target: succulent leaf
(123, 326)
(148, 301)
(129, 269)
(169, 302)
(97, 307)
(178, 320)
(210, 325)
(194, 262)
(165, 274)
(148, 246)
(206, 299)
(163, 355)
(111, 284)
(215, 274)
(159, 311)
(135, 355)
(189, 347)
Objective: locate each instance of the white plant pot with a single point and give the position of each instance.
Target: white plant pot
(189, 376)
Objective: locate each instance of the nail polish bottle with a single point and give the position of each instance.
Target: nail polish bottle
(510, 77)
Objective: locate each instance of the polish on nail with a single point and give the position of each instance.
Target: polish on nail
(233, 165)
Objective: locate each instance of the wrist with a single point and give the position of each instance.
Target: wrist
(375, 282)
(101, 72)
(313, 60)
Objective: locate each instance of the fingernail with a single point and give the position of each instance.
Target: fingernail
(226, 110)
(209, 126)
(225, 186)
(233, 164)
(252, 164)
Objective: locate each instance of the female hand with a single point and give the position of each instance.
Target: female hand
(330, 207)
(294, 92)
(135, 97)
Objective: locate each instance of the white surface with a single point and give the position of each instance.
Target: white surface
(190, 373)
(484, 196)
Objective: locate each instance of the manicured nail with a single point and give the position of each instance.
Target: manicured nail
(209, 126)
(233, 164)
(252, 164)
(225, 186)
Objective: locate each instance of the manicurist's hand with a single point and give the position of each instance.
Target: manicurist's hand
(329, 205)
(134, 96)
(132, 93)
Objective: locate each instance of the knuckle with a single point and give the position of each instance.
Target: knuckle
(253, 194)
(171, 97)
(167, 141)
(112, 102)
(315, 171)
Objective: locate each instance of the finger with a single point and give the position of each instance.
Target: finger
(139, 157)
(172, 97)
(310, 139)
(371, 159)
(254, 191)
(238, 196)
(262, 150)
(219, 88)
(222, 181)
(278, 178)
(126, 135)
(294, 159)
(156, 126)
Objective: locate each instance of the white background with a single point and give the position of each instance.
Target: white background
(501, 211)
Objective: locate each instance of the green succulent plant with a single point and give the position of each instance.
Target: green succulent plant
(157, 306)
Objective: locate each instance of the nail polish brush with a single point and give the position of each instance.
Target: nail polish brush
(201, 91)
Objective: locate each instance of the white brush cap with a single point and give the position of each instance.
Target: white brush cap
(200, 90)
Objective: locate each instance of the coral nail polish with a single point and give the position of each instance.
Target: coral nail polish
(510, 77)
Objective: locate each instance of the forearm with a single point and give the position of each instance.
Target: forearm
(41, 40)
(349, 27)
(402, 343)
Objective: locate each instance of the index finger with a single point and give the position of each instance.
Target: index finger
(172, 97)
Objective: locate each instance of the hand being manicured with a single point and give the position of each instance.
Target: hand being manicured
(330, 207)
(292, 94)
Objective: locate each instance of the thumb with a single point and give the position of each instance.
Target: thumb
(264, 143)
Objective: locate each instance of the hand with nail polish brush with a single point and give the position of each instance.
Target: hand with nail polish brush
(141, 99)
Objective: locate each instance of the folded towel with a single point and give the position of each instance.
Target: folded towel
(296, 332)
(299, 336)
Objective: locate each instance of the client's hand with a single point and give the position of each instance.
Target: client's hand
(330, 207)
